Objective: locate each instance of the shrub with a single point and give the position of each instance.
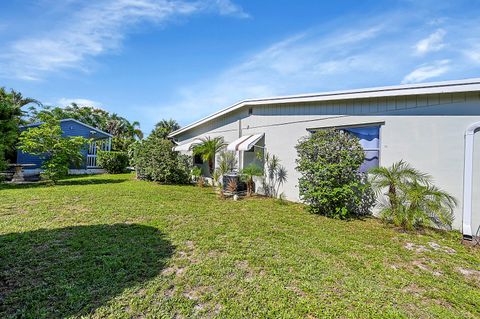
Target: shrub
(155, 160)
(410, 199)
(331, 184)
(113, 162)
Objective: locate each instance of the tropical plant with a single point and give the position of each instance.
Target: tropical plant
(208, 148)
(196, 173)
(392, 178)
(11, 113)
(410, 199)
(232, 186)
(58, 152)
(227, 163)
(124, 132)
(165, 127)
(330, 182)
(275, 175)
(113, 162)
(248, 173)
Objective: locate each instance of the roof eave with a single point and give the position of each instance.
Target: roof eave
(386, 91)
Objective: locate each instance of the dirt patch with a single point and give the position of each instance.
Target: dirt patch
(423, 265)
(297, 290)
(471, 274)
(414, 290)
(244, 265)
(433, 246)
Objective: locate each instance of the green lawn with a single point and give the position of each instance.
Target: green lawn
(110, 246)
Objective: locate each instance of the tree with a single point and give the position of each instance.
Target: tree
(165, 127)
(11, 104)
(330, 182)
(58, 152)
(208, 148)
(124, 132)
(411, 200)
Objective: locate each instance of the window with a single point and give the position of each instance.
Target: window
(370, 140)
(250, 111)
(197, 159)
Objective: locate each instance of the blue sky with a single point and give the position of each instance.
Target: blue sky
(153, 59)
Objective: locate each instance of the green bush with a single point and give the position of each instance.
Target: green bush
(113, 162)
(331, 184)
(155, 160)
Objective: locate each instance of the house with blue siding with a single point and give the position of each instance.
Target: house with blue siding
(100, 140)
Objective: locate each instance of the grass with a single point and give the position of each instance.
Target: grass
(111, 246)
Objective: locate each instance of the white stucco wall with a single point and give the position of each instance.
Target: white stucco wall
(427, 131)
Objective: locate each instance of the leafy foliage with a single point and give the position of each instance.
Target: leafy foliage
(410, 199)
(208, 148)
(113, 162)
(330, 183)
(248, 173)
(155, 160)
(58, 152)
(124, 132)
(11, 104)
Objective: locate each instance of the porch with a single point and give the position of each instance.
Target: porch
(94, 146)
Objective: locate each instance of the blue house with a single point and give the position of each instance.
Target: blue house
(100, 140)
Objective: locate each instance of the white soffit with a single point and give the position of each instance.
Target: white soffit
(185, 147)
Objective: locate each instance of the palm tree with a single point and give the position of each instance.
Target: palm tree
(207, 148)
(423, 205)
(165, 127)
(412, 199)
(248, 173)
(393, 177)
(134, 130)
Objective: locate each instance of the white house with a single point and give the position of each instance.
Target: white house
(431, 126)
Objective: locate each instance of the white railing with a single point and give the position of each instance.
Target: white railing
(103, 145)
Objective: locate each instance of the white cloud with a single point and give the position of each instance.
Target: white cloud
(434, 42)
(81, 102)
(95, 29)
(427, 71)
(227, 7)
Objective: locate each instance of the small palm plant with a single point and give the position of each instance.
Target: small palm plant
(411, 200)
(248, 173)
(207, 148)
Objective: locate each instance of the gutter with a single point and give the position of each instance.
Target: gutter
(468, 181)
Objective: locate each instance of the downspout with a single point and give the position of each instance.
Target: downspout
(468, 181)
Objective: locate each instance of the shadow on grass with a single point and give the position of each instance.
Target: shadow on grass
(65, 182)
(72, 271)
